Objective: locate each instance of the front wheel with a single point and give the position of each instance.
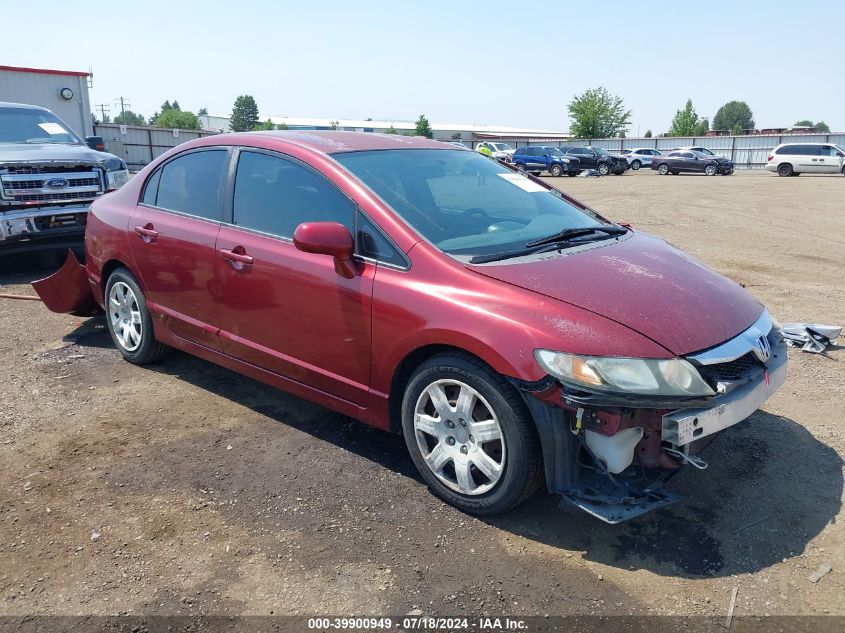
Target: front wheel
(710, 170)
(520, 166)
(129, 321)
(604, 169)
(470, 436)
(636, 165)
(663, 169)
(556, 170)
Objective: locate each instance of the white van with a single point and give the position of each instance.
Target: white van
(791, 159)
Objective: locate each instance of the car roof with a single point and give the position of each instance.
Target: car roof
(26, 106)
(335, 142)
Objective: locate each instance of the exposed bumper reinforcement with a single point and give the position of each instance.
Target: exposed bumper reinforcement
(685, 425)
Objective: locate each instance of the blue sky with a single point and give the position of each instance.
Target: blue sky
(489, 62)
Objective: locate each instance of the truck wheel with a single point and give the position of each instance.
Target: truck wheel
(604, 169)
(129, 321)
(470, 435)
(556, 170)
(663, 169)
(636, 165)
(710, 170)
(784, 169)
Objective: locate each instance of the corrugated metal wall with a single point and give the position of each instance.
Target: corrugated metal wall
(747, 152)
(139, 145)
(42, 89)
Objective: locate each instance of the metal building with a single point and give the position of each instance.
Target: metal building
(65, 92)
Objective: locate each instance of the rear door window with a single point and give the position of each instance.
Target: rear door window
(191, 184)
(275, 195)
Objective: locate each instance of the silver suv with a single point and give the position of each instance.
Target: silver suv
(793, 159)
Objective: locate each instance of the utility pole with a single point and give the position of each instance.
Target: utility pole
(124, 103)
(104, 111)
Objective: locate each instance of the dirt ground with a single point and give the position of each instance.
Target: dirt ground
(183, 488)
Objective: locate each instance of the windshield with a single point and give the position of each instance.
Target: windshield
(705, 151)
(26, 125)
(463, 203)
(600, 151)
(501, 147)
(554, 151)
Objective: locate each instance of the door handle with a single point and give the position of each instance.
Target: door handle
(237, 257)
(147, 233)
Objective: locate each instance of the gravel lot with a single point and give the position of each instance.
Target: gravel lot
(183, 488)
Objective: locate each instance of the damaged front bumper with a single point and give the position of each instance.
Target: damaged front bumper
(25, 229)
(565, 416)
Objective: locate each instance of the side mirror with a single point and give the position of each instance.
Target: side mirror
(328, 238)
(95, 142)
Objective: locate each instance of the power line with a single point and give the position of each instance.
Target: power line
(105, 111)
(124, 104)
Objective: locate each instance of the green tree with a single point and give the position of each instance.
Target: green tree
(736, 130)
(684, 122)
(127, 117)
(804, 123)
(203, 111)
(648, 134)
(821, 126)
(423, 128)
(598, 114)
(732, 114)
(244, 114)
(391, 130)
(267, 125)
(177, 119)
(701, 128)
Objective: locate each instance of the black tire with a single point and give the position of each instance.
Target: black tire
(148, 350)
(843, 171)
(636, 165)
(785, 169)
(536, 173)
(663, 169)
(520, 166)
(556, 170)
(522, 466)
(604, 169)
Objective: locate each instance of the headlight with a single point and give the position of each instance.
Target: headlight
(117, 174)
(671, 377)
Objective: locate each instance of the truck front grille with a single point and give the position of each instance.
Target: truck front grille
(50, 184)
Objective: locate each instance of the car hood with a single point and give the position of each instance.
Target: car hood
(645, 284)
(50, 152)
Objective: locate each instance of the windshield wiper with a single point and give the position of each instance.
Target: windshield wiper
(568, 234)
(495, 257)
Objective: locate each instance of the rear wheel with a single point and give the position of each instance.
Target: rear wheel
(129, 321)
(556, 170)
(470, 436)
(636, 165)
(785, 169)
(604, 169)
(663, 169)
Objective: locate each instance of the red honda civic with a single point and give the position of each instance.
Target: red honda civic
(512, 334)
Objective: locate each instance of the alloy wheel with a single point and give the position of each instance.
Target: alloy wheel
(663, 170)
(459, 437)
(710, 170)
(125, 316)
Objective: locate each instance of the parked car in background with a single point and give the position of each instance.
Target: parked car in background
(599, 159)
(49, 177)
(539, 158)
(690, 161)
(640, 156)
(699, 149)
(492, 320)
(499, 151)
(793, 159)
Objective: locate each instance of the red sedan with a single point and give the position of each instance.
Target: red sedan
(513, 335)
